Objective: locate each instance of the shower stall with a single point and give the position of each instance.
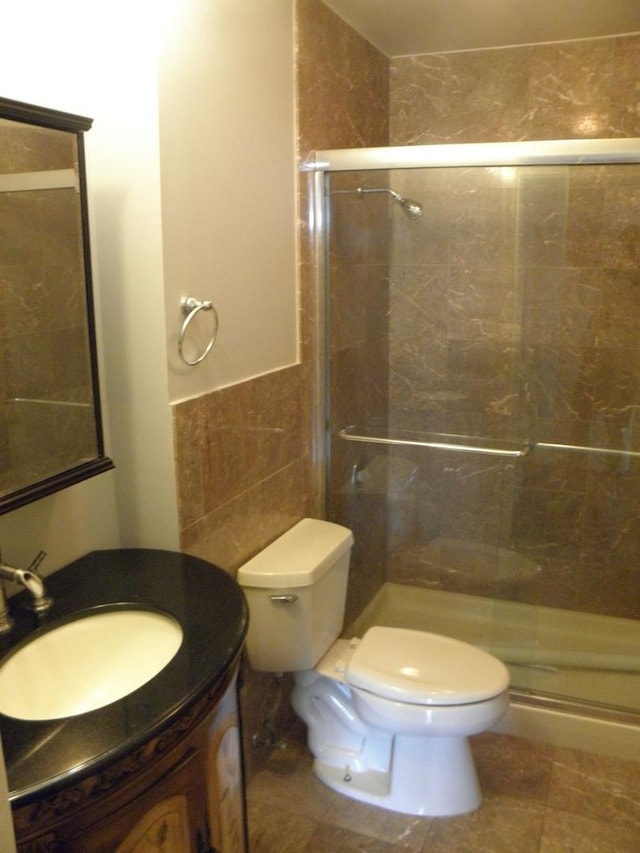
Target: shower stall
(480, 313)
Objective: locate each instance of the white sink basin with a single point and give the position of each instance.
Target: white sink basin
(87, 663)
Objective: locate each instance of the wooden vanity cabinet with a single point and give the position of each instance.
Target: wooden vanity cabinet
(180, 792)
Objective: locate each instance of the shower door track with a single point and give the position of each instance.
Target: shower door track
(569, 152)
(594, 710)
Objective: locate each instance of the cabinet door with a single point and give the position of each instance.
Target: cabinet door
(164, 828)
(190, 801)
(168, 817)
(226, 794)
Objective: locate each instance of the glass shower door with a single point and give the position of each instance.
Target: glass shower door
(484, 389)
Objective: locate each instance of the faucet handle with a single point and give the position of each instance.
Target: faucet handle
(40, 601)
(36, 562)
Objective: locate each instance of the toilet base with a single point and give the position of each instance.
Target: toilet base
(429, 776)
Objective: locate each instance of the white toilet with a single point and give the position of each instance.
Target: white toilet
(388, 715)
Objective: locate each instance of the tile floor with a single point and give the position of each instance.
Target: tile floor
(536, 799)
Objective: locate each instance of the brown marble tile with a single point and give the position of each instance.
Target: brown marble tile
(501, 825)
(359, 223)
(187, 431)
(548, 91)
(287, 782)
(619, 309)
(273, 830)
(403, 832)
(489, 80)
(307, 314)
(483, 304)
(242, 465)
(625, 111)
(568, 832)
(250, 431)
(420, 92)
(513, 767)
(595, 786)
(570, 88)
(359, 383)
(328, 838)
(542, 216)
(266, 711)
(560, 306)
(535, 798)
(236, 531)
(342, 83)
(585, 224)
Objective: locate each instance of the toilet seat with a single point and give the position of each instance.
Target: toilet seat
(424, 669)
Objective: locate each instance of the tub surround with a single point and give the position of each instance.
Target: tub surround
(44, 758)
(576, 638)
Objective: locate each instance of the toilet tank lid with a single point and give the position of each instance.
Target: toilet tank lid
(299, 557)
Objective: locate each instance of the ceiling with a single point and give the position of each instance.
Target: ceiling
(401, 27)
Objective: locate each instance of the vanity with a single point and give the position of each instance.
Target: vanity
(160, 768)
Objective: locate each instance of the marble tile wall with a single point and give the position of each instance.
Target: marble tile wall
(241, 456)
(244, 477)
(343, 102)
(566, 90)
(359, 365)
(522, 327)
(343, 83)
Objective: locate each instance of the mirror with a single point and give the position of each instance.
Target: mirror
(50, 425)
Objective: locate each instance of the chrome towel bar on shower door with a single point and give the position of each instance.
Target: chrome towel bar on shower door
(523, 448)
(348, 434)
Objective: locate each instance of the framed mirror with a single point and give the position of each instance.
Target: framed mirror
(50, 423)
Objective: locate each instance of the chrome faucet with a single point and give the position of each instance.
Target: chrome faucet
(29, 579)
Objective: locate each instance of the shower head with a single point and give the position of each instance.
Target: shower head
(412, 209)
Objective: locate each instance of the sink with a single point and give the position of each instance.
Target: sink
(86, 663)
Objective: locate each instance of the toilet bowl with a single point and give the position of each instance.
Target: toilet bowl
(391, 715)
(388, 715)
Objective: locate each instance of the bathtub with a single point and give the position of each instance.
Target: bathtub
(575, 677)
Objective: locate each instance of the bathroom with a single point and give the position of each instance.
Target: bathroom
(265, 476)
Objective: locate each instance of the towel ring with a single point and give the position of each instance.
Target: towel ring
(190, 307)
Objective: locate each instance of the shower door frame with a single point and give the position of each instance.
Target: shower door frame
(567, 152)
(557, 152)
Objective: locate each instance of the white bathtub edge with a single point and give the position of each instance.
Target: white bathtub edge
(572, 731)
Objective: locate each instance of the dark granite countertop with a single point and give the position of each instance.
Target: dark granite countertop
(46, 756)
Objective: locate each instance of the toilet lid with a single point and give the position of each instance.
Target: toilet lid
(424, 669)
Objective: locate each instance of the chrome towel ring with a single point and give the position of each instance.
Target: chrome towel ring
(190, 307)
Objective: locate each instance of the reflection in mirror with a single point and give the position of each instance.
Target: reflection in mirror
(50, 427)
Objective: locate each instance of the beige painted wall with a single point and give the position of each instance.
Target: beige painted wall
(226, 232)
(228, 188)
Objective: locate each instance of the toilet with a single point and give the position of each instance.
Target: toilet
(388, 714)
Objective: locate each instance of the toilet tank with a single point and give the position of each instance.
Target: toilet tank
(296, 590)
